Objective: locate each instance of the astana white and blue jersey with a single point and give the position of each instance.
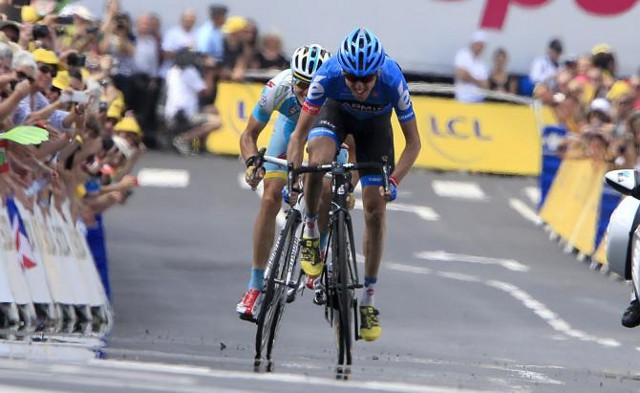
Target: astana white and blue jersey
(390, 92)
(277, 95)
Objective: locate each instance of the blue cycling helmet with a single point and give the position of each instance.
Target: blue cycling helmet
(306, 60)
(361, 53)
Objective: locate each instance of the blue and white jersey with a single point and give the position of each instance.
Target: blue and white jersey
(277, 95)
(390, 91)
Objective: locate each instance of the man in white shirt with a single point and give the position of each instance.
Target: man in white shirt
(179, 37)
(182, 111)
(471, 72)
(545, 68)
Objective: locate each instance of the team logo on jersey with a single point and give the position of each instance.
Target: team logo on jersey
(263, 100)
(404, 102)
(316, 90)
(270, 84)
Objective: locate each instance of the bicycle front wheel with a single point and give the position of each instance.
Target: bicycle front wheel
(274, 301)
(343, 291)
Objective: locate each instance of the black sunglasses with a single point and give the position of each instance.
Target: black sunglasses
(22, 76)
(47, 69)
(354, 78)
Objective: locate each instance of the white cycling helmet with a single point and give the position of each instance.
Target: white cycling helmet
(306, 60)
(622, 224)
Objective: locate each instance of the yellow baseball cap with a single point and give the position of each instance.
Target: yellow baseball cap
(234, 24)
(29, 14)
(128, 124)
(61, 81)
(45, 56)
(617, 90)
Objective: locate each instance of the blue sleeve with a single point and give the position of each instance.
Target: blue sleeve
(260, 114)
(398, 91)
(56, 119)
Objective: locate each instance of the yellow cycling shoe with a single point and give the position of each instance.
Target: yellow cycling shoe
(310, 261)
(370, 328)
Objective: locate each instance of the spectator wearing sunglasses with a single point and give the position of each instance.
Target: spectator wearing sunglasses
(354, 93)
(39, 68)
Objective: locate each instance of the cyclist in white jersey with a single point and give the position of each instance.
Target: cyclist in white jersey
(285, 94)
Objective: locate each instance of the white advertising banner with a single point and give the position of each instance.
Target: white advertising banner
(17, 280)
(59, 283)
(34, 272)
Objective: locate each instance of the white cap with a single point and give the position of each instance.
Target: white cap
(479, 36)
(602, 105)
(78, 10)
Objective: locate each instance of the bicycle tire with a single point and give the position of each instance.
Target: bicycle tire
(265, 332)
(342, 292)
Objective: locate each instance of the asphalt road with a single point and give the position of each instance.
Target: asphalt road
(473, 297)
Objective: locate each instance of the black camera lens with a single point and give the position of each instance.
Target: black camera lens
(102, 107)
(39, 31)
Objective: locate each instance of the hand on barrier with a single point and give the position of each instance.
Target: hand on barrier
(392, 193)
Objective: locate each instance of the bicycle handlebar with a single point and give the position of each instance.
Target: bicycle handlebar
(337, 168)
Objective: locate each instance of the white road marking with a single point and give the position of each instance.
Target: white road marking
(533, 193)
(525, 211)
(549, 316)
(537, 307)
(156, 177)
(424, 212)
(457, 189)
(277, 377)
(446, 257)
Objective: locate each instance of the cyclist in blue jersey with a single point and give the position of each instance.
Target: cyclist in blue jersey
(354, 92)
(284, 94)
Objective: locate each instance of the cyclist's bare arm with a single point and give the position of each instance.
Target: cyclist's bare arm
(411, 149)
(299, 137)
(249, 138)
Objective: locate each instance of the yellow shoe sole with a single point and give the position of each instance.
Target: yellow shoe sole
(312, 270)
(371, 334)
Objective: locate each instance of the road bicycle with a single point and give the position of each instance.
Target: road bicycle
(340, 278)
(283, 277)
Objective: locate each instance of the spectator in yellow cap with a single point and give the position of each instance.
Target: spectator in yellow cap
(129, 129)
(59, 83)
(604, 58)
(236, 51)
(623, 98)
(48, 64)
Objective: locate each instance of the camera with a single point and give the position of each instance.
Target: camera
(102, 107)
(76, 60)
(121, 21)
(40, 31)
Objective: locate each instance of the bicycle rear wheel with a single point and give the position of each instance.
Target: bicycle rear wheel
(274, 301)
(343, 292)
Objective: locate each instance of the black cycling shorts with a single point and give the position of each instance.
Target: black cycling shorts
(373, 137)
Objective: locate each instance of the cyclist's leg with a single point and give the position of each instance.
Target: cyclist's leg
(264, 226)
(374, 142)
(322, 144)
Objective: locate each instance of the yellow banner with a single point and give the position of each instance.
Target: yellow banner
(571, 207)
(488, 137)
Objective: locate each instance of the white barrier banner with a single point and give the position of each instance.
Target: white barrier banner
(58, 280)
(17, 280)
(34, 272)
(5, 287)
(82, 258)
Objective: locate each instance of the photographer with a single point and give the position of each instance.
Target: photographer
(119, 42)
(182, 112)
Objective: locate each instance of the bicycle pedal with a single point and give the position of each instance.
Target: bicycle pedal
(248, 318)
(319, 298)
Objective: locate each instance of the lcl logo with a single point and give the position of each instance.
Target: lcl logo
(459, 127)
